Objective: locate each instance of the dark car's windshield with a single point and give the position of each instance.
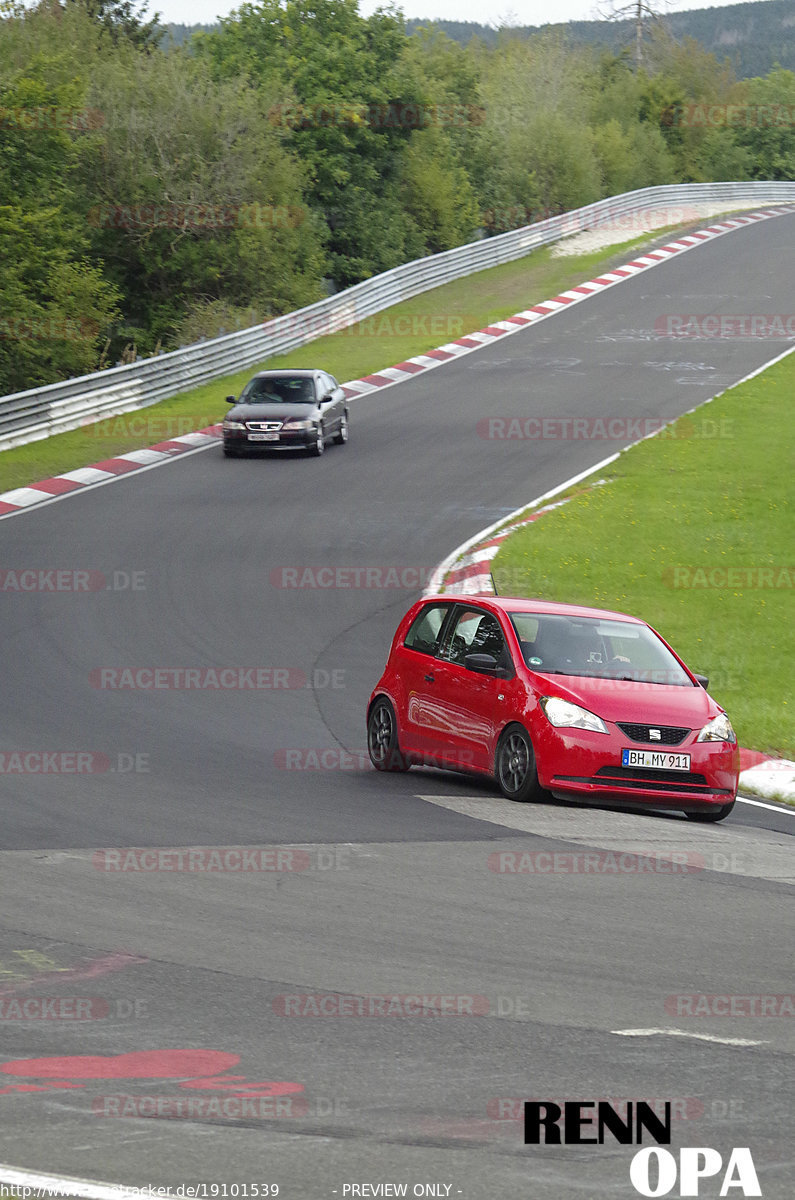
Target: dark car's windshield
(598, 648)
(279, 389)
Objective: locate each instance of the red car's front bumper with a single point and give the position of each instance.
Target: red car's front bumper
(587, 765)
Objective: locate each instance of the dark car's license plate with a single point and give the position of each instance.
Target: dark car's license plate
(263, 437)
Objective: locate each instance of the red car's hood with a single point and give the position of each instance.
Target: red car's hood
(645, 703)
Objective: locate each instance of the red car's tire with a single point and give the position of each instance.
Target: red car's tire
(382, 737)
(515, 766)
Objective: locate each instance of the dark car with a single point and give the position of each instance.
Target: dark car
(552, 698)
(286, 410)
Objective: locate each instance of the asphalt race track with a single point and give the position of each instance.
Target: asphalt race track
(199, 990)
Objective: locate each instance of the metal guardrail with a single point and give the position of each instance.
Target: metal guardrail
(40, 412)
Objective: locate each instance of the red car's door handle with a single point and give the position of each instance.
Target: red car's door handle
(429, 678)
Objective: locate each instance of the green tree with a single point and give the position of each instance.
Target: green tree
(535, 152)
(54, 304)
(195, 199)
(631, 147)
(124, 21)
(358, 103)
(684, 85)
(437, 193)
(764, 125)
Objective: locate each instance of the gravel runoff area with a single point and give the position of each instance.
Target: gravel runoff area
(615, 230)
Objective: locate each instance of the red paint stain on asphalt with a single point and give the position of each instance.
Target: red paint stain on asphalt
(139, 1064)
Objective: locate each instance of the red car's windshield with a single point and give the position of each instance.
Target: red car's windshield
(596, 647)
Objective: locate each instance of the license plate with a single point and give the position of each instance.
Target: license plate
(263, 437)
(658, 760)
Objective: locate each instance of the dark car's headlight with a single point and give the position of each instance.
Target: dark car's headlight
(233, 424)
(564, 714)
(719, 729)
(294, 423)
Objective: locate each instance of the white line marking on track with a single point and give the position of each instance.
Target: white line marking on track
(773, 807)
(700, 1037)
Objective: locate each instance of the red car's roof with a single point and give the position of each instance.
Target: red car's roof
(517, 604)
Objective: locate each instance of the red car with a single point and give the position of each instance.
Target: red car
(552, 698)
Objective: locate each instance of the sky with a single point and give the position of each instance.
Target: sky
(499, 12)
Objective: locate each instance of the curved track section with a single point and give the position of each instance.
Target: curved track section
(539, 975)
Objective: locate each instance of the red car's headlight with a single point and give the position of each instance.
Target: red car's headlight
(564, 714)
(719, 729)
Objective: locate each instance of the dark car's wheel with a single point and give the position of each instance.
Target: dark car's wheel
(382, 738)
(711, 814)
(229, 452)
(319, 444)
(341, 436)
(516, 766)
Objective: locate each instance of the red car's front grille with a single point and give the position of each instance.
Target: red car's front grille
(669, 735)
(662, 781)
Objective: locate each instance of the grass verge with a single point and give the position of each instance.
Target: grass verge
(692, 532)
(391, 336)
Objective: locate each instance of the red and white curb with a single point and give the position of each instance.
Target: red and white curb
(57, 488)
(110, 469)
(763, 775)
